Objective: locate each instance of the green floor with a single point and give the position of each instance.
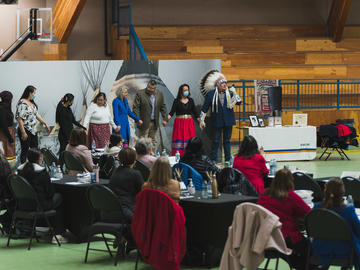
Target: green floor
(70, 256)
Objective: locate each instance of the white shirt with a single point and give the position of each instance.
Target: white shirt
(98, 115)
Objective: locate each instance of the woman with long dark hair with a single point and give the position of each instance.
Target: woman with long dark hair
(78, 146)
(334, 200)
(39, 178)
(183, 128)
(27, 115)
(281, 200)
(65, 118)
(99, 118)
(7, 133)
(195, 157)
(249, 161)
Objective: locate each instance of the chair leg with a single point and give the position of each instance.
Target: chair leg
(277, 263)
(87, 248)
(33, 229)
(12, 227)
(137, 259)
(52, 231)
(267, 263)
(106, 244)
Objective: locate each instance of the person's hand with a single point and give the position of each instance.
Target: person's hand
(164, 123)
(117, 129)
(202, 125)
(198, 119)
(261, 150)
(140, 122)
(47, 127)
(169, 117)
(24, 136)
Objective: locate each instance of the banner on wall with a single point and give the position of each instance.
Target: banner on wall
(261, 94)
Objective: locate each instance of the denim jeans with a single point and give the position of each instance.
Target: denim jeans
(226, 132)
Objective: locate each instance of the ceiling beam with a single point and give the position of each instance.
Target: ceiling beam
(65, 14)
(337, 18)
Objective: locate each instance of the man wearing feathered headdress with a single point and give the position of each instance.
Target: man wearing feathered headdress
(221, 100)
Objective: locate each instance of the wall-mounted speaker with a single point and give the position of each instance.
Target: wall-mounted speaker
(275, 98)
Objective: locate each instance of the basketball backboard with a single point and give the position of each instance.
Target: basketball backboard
(40, 17)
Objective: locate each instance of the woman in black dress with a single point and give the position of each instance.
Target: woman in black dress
(65, 118)
(183, 129)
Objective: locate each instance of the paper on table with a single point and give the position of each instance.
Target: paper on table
(355, 174)
(75, 183)
(182, 186)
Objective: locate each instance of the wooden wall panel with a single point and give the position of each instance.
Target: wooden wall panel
(267, 58)
(65, 14)
(256, 45)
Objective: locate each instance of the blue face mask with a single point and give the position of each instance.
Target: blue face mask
(186, 93)
(33, 97)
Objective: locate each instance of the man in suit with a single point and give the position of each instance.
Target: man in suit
(148, 104)
(221, 100)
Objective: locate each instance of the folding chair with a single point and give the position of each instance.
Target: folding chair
(189, 172)
(102, 199)
(141, 167)
(49, 157)
(72, 162)
(304, 181)
(324, 224)
(352, 187)
(23, 191)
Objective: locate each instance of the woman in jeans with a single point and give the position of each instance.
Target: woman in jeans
(28, 116)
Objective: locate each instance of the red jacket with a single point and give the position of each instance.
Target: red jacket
(253, 168)
(288, 211)
(158, 227)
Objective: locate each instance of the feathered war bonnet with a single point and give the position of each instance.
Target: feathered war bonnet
(211, 80)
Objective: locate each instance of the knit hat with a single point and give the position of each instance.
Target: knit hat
(6, 96)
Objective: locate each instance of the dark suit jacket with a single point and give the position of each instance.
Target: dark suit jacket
(224, 116)
(142, 108)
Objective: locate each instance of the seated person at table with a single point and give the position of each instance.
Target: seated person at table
(333, 200)
(39, 178)
(109, 161)
(249, 161)
(281, 199)
(126, 182)
(115, 145)
(78, 146)
(160, 179)
(143, 149)
(194, 157)
(5, 194)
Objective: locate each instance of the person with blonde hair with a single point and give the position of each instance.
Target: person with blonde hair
(121, 111)
(160, 179)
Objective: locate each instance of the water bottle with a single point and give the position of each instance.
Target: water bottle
(209, 187)
(191, 187)
(157, 154)
(350, 200)
(53, 170)
(93, 146)
(177, 156)
(204, 192)
(273, 167)
(59, 173)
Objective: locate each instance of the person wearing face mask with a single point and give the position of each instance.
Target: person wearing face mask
(148, 105)
(65, 118)
(99, 119)
(27, 115)
(221, 101)
(183, 129)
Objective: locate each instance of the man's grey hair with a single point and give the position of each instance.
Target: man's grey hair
(143, 146)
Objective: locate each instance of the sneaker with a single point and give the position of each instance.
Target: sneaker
(61, 239)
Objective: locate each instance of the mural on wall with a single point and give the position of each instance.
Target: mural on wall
(54, 79)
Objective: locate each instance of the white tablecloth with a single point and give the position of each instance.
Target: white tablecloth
(286, 142)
